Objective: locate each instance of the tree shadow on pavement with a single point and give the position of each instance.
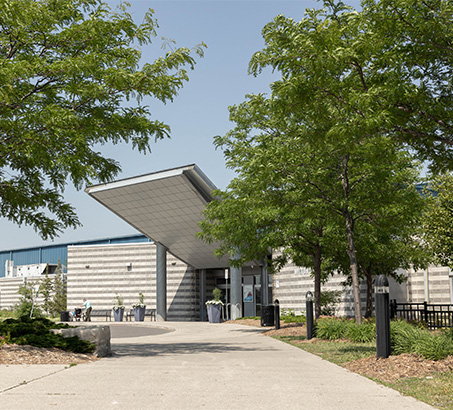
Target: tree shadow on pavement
(163, 349)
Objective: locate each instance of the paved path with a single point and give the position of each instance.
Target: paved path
(197, 366)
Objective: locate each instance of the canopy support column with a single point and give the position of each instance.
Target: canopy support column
(161, 282)
(202, 295)
(236, 292)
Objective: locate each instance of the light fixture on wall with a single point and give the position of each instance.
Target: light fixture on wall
(173, 264)
(129, 266)
(87, 266)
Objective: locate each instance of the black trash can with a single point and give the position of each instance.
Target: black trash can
(267, 315)
(64, 316)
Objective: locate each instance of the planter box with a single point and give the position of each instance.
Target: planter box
(214, 313)
(139, 313)
(118, 315)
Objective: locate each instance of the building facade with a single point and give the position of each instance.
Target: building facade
(174, 270)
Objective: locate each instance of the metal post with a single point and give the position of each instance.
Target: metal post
(277, 314)
(264, 284)
(381, 290)
(161, 282)
(203, 295)
(425, 312)
(309, 314)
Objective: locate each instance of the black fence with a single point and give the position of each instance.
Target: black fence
(435, 316)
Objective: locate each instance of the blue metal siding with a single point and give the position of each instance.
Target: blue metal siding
(27, 256)
(130, 239)
(4, 256)
(54, 253)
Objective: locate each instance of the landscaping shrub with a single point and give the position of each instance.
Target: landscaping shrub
(403, 337)
(363, 333)
(330, 328)
(434, 346)
(36, 332)
(406, 338)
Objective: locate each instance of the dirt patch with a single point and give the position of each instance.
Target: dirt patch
(387, 370)
(16, 354)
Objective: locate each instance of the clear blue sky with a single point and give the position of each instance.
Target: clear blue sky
(232, 32)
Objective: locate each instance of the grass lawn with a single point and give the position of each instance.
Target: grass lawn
(435, 389)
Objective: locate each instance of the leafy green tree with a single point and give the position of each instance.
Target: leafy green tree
(59, 302)
(406, 60)
(265, 208)
(28, 296)
(317, 141)
(438, 226)
(387, 248)
(388, 67)
(71, 79)
(46, 290)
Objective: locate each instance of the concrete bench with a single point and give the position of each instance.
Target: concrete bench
(107, 313)
(148, 312)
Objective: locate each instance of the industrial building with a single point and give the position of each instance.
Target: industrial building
(174, 270)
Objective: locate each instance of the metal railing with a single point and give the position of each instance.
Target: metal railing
(436, 316)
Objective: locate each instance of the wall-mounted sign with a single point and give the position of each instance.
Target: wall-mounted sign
(247, 291)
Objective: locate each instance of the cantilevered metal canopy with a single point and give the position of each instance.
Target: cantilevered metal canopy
(165, 206)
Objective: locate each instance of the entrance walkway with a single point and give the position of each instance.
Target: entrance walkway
(197, 366)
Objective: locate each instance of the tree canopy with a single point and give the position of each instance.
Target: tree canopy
(71, 79)
(388, 67)
(326, 149)
(438, 225)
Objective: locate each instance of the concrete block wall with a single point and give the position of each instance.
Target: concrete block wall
(433, 285)
(292, 283)
(9, 290)
(183, 295)
(99, 272)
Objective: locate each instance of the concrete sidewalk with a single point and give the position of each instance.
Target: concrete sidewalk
(196, 366)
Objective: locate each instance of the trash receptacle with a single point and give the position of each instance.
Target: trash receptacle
(64, 316)
(267, 315)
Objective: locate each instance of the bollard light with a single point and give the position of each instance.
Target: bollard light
(381, 290)
(309, 296)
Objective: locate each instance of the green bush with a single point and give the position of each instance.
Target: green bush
(434, 346)
(406, 338)
(330, 328)
(36, 332)
(293, 319)
(403, 337)
(363, 333)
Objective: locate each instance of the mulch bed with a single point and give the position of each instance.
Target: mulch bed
(18, 354)
(387, 370)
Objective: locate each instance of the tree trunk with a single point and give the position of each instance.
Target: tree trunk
(354, 267)
(369, 293)
(317, 274)
(351, 243)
